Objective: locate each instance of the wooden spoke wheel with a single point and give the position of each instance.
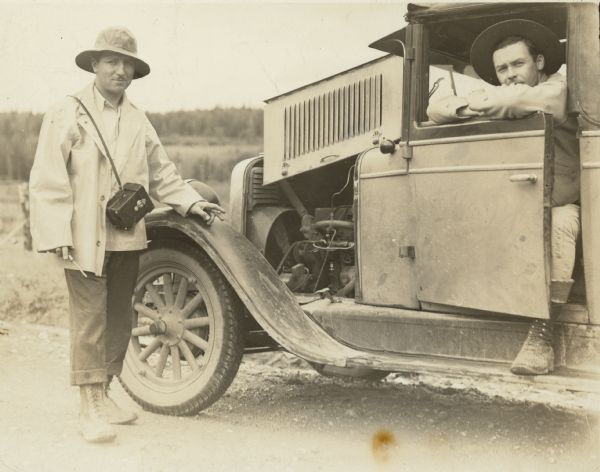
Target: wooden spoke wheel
(187, 338)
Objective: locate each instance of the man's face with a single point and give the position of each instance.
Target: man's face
(114, 73)
(515, 65)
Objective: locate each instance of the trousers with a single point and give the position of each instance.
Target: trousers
(100, 319)
(565, 232)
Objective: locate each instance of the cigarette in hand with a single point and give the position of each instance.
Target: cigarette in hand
(77, 266)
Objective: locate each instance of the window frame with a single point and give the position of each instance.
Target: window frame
(418, 127)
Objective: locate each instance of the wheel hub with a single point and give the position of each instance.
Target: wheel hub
(170, 325)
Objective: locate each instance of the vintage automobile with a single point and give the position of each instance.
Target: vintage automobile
(368, 240)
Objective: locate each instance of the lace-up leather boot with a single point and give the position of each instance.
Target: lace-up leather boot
(114, 414)
(93, 423)
(536, 356)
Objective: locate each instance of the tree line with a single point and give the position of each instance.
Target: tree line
(230, 124)
(19, 132)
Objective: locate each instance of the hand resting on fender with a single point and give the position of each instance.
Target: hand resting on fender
(206, 210)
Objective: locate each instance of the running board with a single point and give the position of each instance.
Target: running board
(454, 346)
(482, 338)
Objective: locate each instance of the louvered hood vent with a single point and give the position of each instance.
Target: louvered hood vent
(332, 119)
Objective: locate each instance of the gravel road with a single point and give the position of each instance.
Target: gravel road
(281, 416)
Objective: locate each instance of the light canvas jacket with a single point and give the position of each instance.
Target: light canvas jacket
(71, 180)
(517, 101)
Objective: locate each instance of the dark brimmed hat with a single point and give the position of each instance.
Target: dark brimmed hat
(114, 39)
(544, 39)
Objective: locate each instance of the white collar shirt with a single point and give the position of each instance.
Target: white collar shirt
(110, 117)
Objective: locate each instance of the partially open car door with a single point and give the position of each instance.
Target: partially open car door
(482, 195)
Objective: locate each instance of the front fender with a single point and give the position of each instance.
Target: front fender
(258, 286)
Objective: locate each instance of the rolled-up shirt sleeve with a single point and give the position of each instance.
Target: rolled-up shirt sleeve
(520, 100)
(445, 110)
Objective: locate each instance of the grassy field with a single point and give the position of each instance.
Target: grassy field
(208, 160)
(10, 207)
(32, 289)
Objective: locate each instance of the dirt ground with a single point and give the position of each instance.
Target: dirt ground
(279, 415)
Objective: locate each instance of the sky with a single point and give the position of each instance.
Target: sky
(201, 54)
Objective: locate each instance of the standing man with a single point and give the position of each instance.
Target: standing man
(71, 182)
(520, 58)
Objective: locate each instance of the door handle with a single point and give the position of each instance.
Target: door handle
(524, 178)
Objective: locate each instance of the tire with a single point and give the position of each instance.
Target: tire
(187, 340)
(361, 373)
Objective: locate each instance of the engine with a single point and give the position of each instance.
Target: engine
(325, 259)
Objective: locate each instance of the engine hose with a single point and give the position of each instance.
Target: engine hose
(330, 247)
(293, 198)
(324, 224)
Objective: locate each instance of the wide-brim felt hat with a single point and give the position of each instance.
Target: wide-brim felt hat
(544, 38)
(115, 39)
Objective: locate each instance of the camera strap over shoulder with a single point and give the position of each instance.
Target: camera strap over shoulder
(131, 202)
(101, 139)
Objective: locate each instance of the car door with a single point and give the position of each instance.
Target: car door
(482, 199)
